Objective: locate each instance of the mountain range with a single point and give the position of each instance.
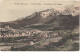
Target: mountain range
(50, 19)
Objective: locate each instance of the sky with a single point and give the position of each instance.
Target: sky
(14, 9)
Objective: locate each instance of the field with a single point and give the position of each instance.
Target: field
(67, 40)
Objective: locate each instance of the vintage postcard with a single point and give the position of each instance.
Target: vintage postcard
(39, 25)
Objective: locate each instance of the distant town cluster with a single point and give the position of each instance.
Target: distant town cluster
(10, 32)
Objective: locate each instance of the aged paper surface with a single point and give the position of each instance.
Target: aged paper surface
(39, 25)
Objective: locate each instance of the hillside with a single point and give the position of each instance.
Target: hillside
(62, 18)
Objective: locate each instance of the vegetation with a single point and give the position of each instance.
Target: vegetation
(65, 44)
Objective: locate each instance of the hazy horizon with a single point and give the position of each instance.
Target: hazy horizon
(14, 9)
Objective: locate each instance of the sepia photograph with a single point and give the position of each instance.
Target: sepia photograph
(39, 25)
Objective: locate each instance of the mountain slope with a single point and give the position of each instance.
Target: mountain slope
(62, 18)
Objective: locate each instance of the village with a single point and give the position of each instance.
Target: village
(32, 35)
(26, 36)
(16, 38)
(10, 32)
